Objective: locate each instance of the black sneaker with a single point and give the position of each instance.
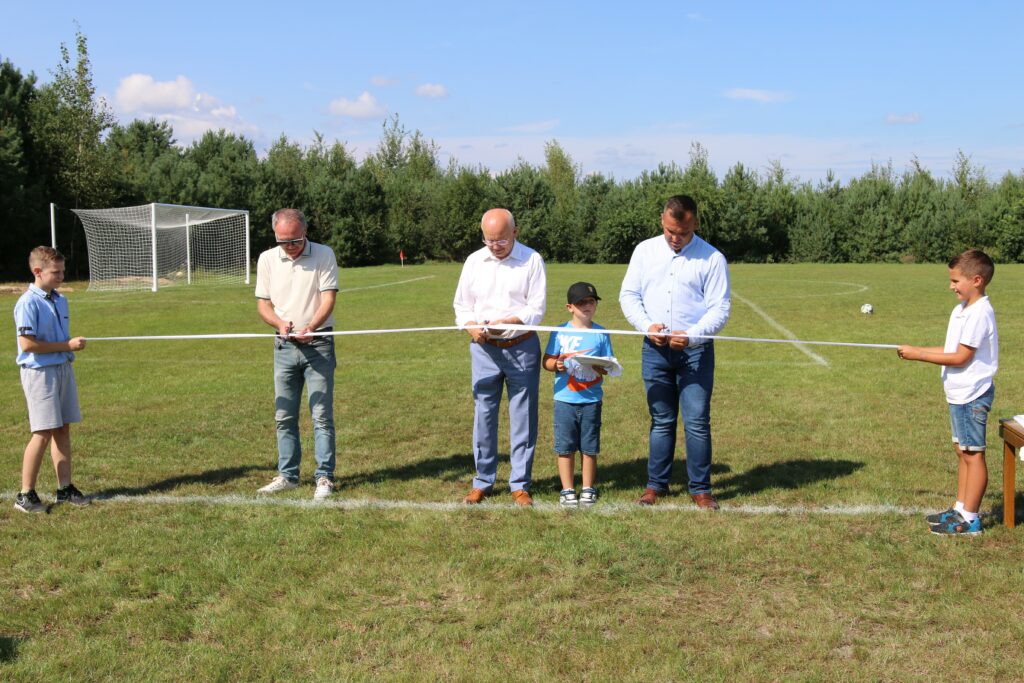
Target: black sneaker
(70, 494)
(29, 502)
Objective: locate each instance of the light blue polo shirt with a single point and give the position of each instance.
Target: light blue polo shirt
(45, 317)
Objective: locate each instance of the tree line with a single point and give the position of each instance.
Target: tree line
(60, 143)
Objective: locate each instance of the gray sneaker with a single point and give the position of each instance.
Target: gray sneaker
(71, 494)
(567, 498)
(29, 502)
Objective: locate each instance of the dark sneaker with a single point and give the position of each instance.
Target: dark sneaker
(588, 497)
(29, 502)
(71, 494)
(567, 498)
(958, 528)
(943, 517)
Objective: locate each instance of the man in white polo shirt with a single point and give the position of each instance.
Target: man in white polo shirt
(296, 286)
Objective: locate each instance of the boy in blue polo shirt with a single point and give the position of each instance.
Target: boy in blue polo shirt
(45, 353)
(578, 393)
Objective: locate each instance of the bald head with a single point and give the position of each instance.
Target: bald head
(499, 229)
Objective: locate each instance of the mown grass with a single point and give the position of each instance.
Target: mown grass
(237, 591)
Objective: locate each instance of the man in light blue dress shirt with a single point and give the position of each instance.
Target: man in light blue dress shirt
(677, 284)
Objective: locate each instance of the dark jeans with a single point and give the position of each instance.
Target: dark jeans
(679, 381)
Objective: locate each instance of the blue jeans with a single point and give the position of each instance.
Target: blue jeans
(494, 369)
(969, 421)
(313, 365)
(577, 428)
(679, 381)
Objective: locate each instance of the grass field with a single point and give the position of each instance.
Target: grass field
(819, 566)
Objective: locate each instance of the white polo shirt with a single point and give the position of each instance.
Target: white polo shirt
(973, 326)
(294, 287)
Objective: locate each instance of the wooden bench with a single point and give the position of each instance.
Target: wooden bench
(1012, 434)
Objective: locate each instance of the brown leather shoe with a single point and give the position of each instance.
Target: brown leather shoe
(522, 498)
(705, 501)
(650, 496)
(475, 497)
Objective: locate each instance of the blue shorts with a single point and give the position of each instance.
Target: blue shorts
(577, 428)
(969, 421)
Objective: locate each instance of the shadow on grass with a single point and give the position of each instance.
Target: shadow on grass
(790, 474)
(9, 649)
(455, 467)
(213, 477)
(624, 476)
(1018, 508)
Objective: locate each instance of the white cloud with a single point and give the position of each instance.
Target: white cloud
(365, 106)
(190, 113)
(902, 119)
(432, 90)
(534, 127)
(762, 96)
(141, 92)
(383, 81)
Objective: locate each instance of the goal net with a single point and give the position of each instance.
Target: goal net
(155, 245)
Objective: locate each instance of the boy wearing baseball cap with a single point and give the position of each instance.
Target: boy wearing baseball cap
(578, 393)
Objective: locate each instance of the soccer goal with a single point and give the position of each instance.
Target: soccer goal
(155, 245)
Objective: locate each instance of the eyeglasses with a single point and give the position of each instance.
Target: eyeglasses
(497, 243)
(291, 243)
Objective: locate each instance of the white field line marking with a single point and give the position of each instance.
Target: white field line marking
(386, 284)
(340, 503)
(782, 330)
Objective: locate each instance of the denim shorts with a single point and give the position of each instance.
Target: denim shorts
(969, 421)
(577, 428)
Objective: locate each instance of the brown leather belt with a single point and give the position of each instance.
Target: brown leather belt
(509, 343)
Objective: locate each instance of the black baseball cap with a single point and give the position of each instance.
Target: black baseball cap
(581, 290)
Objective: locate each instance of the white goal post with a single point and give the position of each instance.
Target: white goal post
(154, 245)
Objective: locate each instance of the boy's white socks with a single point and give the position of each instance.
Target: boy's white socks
(969, 516)
(959, 507)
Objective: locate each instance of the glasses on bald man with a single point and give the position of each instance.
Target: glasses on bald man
(291, 243)
(497, 243)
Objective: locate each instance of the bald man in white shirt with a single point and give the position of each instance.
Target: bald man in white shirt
(503, 283)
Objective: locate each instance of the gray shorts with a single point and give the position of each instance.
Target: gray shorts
(52, 396)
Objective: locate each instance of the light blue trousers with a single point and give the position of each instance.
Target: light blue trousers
(494, 369)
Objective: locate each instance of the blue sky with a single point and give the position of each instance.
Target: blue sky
(622, 86)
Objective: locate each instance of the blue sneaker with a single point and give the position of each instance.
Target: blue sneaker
(958, 528)
(567, 498)
(944, 517)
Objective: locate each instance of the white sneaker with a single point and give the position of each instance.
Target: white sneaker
(278, 484)
(324, 488)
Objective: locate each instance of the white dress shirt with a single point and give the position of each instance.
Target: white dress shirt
(492, 289)
(688, 290)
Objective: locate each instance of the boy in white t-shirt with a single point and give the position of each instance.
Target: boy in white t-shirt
(970, 359)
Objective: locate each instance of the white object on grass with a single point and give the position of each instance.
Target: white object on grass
(137, 247)
(867, 309)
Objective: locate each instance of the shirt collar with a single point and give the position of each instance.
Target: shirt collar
(962, 308)
(515, 255)
(668, 248)
(38, 291)
(306, 251)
